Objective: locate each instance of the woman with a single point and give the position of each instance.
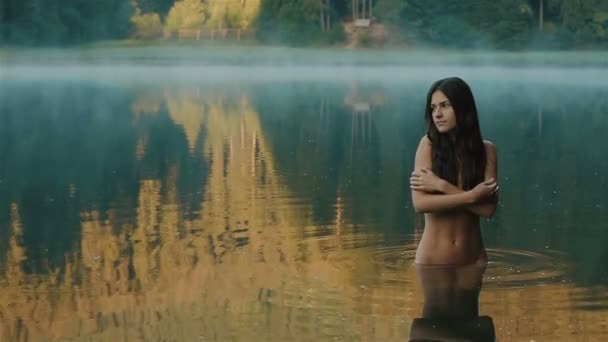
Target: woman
(453, 184)
(454, 178)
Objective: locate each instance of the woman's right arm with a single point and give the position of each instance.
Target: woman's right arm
(425, 202)
(485, 207)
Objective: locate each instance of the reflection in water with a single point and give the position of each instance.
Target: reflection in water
(451, 305)
(221, 213)
(479, 329)
(451, 292)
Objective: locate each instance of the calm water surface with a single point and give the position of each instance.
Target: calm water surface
(280, 211)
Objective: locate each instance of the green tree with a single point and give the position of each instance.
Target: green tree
(71, 21)
(161, 7)
(389, 11)
(586, 19)
(297, 22)
(470, 23)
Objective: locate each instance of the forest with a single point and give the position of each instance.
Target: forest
(499, 24)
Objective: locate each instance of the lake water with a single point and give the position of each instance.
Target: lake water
(273, 205)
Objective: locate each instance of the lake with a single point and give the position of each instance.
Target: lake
(272, 204)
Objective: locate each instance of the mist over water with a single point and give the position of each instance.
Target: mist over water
(592, 77)
(224, 202)
(257, 64)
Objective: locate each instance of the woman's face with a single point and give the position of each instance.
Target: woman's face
(442, 112)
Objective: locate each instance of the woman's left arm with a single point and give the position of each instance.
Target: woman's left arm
(488, 208)
(426, 180)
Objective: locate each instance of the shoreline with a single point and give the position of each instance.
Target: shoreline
(258, 55)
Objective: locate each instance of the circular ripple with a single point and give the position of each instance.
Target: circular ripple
(372, 261)
(509, 268)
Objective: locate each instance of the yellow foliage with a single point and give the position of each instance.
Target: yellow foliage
(185, 14)
(147, 26)
(232, 13)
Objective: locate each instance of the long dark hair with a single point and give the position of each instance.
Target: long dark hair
(466, 153)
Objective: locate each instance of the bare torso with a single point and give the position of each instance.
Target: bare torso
(451, 237)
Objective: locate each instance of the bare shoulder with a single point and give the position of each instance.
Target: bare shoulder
(425, 142)
(425, 146)
(423, 154)
(490, 149)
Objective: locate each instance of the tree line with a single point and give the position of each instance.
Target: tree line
(510, 24)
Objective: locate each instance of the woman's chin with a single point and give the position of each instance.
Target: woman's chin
(443, 130)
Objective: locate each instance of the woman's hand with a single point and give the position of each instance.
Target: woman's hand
(427, 181)
(485, 190)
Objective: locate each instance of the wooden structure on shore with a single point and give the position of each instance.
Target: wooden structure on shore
(211, 34)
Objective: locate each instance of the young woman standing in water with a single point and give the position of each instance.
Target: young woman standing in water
(453, 184)
(454, 178)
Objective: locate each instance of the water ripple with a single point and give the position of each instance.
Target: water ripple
(389, 265)
(510, 268)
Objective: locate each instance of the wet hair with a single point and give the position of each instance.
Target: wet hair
(467, 147)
